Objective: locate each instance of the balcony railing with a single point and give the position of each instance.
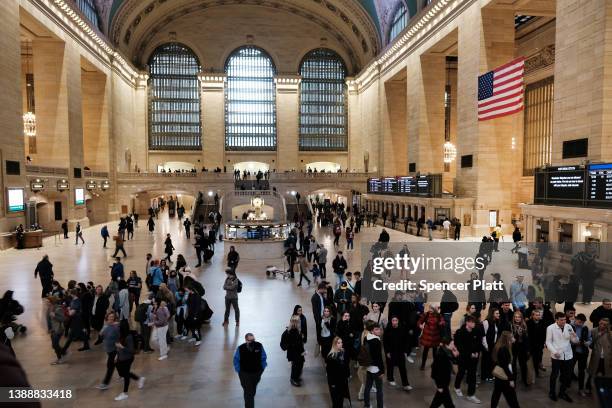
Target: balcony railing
(47, 171)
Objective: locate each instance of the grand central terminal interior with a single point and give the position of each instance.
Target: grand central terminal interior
(196, 196)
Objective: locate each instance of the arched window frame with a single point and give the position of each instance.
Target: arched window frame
(399, 20)
(323, 122)
(254, 130)
(175, 112)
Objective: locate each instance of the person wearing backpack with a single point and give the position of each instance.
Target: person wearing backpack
(55, 313)
(142, 317)
(292, 342)
(105, 235)
(232, 287)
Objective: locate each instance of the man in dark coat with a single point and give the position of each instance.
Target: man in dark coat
(44, 270)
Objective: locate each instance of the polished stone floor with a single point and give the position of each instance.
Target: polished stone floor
(201, 376)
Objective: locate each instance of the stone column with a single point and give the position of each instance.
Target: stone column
(57, 76)
(213, 120)
(287, 122)
(486, 41)
(425, 105)
(583, 78)
(11, 138)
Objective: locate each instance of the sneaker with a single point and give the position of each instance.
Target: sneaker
(183, 337)
(294, 383)
(121, 397)
(102, 386)
(407, 388)
(141, 382)
(197, 343)
(374, 390)
(410, 359)
(163, 357)
(458, 392)
(472, 398)
(392, 383)
(191, 340)
(178, 337)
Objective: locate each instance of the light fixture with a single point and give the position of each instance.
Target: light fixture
(29, 118)
(210, 193)
(450, 152)
(513, 143)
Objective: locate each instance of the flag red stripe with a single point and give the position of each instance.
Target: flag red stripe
(502, 79)
(507, 105)
(488, 102)
(509, 89)
(502, 114)
(509, 64)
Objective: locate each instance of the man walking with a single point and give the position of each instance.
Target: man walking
(250, 361)
(65, 228)
(559, 337)
(119, 246)
(232, 287)
(44, 270)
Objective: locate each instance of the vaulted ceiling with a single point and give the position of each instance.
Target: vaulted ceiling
(355, 27)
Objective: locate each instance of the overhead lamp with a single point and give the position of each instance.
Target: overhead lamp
(450, 152)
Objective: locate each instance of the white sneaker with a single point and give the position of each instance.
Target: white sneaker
(121, 397)
(191, 340)
(408, 388)
(392, 383)
(472, 398)
(458, 392)
(163, 357)
(102, 386)
(141, 382)
(197, 343)
(183, 337)
(374, 390)
(410, 360)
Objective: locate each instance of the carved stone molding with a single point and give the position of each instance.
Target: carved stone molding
(543, 59)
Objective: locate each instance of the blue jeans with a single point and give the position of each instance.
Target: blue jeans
(375, 379)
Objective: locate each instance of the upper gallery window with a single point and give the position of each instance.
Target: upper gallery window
(250, 100)
(399, 22)
(174, 99)
(323, 119)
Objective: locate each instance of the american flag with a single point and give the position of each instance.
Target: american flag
(500, 92)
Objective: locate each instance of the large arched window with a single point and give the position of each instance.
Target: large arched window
(174, 99)
(88, 8)
(323, 101)
(250, 100)
(399, 22)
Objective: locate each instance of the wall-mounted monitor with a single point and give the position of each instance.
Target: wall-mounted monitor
(79, 196)
(15, 199)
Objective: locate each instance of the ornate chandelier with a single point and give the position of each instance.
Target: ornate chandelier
(29, 124)
(450, 152)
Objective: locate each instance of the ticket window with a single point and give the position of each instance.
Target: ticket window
(566, 237)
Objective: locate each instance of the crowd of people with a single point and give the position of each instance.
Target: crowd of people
(500, 340)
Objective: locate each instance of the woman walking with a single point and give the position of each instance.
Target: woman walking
(169, 248)
(151, 224)
(294, 345)
(161, 316)
(55, 313)
(326, 334)
(520, 346)
(432, 326)
(110, 336)
(337, 367)
(125, 358)
(502, 371)
(298, 311)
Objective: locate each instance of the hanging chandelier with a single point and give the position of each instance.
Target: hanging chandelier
(450, 152)
(29, 124)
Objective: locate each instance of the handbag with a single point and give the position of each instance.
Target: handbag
(499, 373)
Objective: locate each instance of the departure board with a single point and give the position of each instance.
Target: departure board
(566, 184)
(389, 185)
(599, 190)
(423, 185)
(406, 185)
(374, 185)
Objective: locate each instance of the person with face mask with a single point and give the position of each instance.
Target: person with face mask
(250, 361)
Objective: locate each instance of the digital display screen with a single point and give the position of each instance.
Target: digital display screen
(389, 185)
(599, 190)
(566, 185)
(423, 185)
(79, 196)
(374, 185)
(406, 185)
(15, 200)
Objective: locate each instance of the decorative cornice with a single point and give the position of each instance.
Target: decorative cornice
(212, 81)
(287, 84)
(420, 27)
(80, 28)
(543, 59)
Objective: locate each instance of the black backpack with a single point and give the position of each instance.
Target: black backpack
(284, 343)
(140, 315)
(363, 358)
(239, 287)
